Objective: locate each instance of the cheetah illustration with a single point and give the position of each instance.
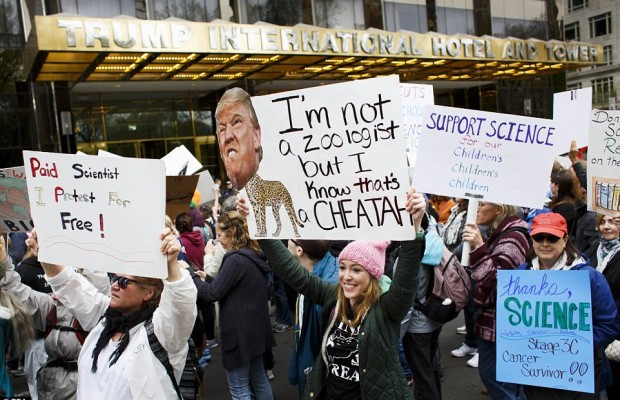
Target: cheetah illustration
(272, 194)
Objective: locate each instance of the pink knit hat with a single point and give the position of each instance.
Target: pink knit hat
(369, 254)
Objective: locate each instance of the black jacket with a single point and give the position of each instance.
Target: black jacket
(241, 289)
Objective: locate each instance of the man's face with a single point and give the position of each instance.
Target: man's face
(239, 142)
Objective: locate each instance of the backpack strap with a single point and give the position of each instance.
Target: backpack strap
(161, 354)
(51, 324)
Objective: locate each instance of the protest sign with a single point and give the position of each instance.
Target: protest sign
(571, 112)
(179, 192)
(90, 212)
(104, 153)
(493, 157)
(181, 162)
(14, 207)
(205, 186)
(604, 162)
(334, 163)
(544, 329)
(414, 97)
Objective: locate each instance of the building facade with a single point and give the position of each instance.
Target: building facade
(140, 77)
(596, 21)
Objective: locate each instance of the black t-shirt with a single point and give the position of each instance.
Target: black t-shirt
(32, 275)
(343, 377)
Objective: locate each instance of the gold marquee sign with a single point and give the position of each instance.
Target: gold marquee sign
(129, 49)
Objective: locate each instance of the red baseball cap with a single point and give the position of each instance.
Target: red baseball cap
(551, 223)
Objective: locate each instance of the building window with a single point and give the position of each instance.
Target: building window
(571, 31)
(574, 86)
(607, 56)
(196, 10)
(600, 25)
(10, 28)
(101, 9)
(286, 13)
(574, 5)
(343, 14)
(602, 90)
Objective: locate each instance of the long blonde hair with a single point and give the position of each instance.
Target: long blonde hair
(236, 227)
(369, 298)
(21, 321)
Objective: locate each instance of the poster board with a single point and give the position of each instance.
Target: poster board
(205, 186)
(414, 97)
(604, 162)
(571, 111)
(14, 205)
(180, 161)
(90, 213)
(544, 329)
(339, 152)
(493, 157)
(179, 192)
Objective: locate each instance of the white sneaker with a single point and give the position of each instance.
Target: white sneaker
(464, 351)
(473, 362)
(461, 330)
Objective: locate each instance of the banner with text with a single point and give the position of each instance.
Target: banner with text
(604, 162)
(14, 207)
(571, 111)
(493, 157)
(414, 97)
(544, 329)
(334, 163)
(90, 213)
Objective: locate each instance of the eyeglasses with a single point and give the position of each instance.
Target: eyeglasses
(540, 237)
(122, 281)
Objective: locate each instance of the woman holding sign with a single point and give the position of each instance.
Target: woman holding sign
(608, 255)
(117, 359)
(505, 249)
(552, 249)
(359, 352)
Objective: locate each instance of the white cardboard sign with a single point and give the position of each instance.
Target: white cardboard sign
(493, 157)
(414, 97)
(604, 162)
(339, 152)
(180, 161)
(205, 186)
(571, 111)
(100, 213)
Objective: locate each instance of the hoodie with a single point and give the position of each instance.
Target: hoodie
(194, 246)
(241, 289)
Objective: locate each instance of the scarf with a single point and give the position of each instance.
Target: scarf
(560, 264)
(117, 322)
(606, 251)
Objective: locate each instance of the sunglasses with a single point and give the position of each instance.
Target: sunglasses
(540, 237)
(122, 281)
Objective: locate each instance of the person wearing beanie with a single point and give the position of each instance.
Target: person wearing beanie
(552, 249)
(358, 357)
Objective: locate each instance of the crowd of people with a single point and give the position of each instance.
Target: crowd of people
(355, 308)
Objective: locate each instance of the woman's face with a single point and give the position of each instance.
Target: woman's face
(554, 188)
(132, 297)
(487, 212)
(354, 280)
(548, 248)
(223, 237)
(608, 229)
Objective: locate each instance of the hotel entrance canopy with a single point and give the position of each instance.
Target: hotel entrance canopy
(78, 49)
